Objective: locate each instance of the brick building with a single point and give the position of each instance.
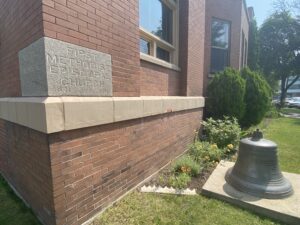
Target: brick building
(226, 35)
(96, 96)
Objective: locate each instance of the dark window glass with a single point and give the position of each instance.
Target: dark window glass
(219, 59)
(243, 50)
(144, 46)
(246, 52)
(156, 18)
(219, 45)
(163, 54)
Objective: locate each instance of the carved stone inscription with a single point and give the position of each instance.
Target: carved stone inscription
(72, 70)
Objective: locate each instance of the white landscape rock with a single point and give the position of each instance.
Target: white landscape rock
(167, 190)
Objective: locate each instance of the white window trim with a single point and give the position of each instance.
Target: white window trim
(156, 41)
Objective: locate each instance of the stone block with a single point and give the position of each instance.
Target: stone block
(127, 108)
(55, 115)
(88, 111)
(49, 67)
(152, 105)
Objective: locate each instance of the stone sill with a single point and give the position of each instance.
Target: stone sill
(151, 59)
(55, 114)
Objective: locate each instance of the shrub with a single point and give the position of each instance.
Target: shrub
(222, 132)
(257, 98)
(226, 94)
(179, 181)
(273, 113)
(205, 152)
(187, 165)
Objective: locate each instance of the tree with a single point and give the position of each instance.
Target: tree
(280, 50)
(253, 52)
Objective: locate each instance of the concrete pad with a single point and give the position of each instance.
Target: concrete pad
(286, 210)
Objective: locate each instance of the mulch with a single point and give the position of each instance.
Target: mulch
(197, 183)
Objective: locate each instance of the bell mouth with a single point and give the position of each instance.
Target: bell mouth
(273, 189)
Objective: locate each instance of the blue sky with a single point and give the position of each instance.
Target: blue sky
(262, 9)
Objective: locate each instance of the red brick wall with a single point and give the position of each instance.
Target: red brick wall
(20, 25)
(94, 166)
(25, 163)
(192, 27)
(229, 10)
(109, 26)
(156, 80)
(159, 81)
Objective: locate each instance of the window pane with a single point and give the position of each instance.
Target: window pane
(220, 33)
(144, 46)
(219, 59)
(156, 18)
(243, 50)
(246, 52)
(163, 54)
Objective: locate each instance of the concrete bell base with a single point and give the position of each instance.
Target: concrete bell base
(286, 210)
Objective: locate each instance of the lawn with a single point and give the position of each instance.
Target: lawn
(139, 209)
(286, 133)
(12, 210)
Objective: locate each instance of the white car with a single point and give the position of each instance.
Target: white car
(295, 102)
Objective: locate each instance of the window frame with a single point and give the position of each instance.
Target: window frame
(211, 74)
(156, 41)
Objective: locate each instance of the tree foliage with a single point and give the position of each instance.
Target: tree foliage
(280, 49)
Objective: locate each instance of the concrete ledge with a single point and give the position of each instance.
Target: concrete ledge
(286, 210)
(55, 114)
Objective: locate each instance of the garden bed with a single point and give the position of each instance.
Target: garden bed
(193, 168)
(197, 182)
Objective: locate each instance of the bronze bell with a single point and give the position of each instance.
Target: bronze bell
(256, 170)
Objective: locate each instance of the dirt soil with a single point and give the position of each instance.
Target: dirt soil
(196, 183)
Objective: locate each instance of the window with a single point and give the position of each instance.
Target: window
(244, 51)
(220, 38)
(159, 31)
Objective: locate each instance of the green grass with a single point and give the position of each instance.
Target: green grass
(290, 110)
(148, 209)
(286, 133)
(12, 210)
(140, 209)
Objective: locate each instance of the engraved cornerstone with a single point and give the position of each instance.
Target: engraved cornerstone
(50, 67)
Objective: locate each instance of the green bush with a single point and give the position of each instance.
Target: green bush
(205, 153)
(187, 165)
(222, 132)
(226, 94)
(257, 98)
(179, 181)
(273, 113)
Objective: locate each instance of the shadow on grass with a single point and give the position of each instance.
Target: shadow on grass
(296, 121)
(13, 210)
